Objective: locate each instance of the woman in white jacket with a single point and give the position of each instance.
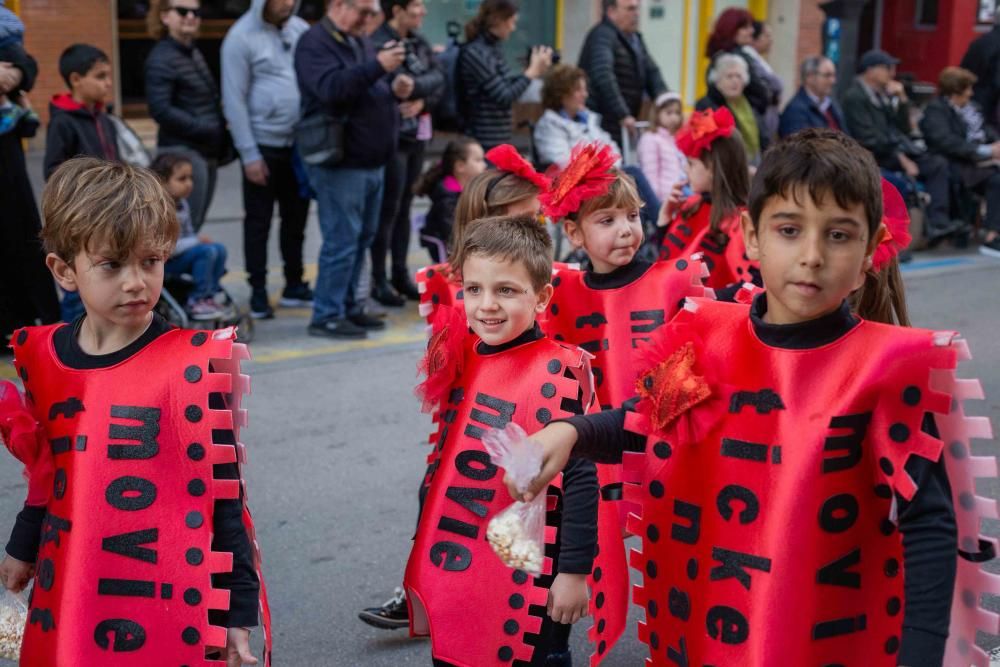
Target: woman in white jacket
(567, 121)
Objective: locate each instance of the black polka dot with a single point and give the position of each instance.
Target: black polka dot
(886, 466)
(22, 336)
(193, 414)
(651, 569)
(601, 624)
(957, 450)
(662, 450)
(653, 533)
(192, 596)
(899, 432)
(505, 653)
(459, 295)
(654, 640)
(692, 569)
(893, 606)
(647, 382)
(544, 415)
(516, 601)
(602, 647)
(599, 600)
(969, 599)
(656, 489)
(653, 608)
(556, 281)
(548, 390)
(891, 567)
(681, 264)
(195, 451)
(883, 491)
(199, 339)
(194, 556)
(191, 636)
(23, 372)
(519, 576)
(192, 374)
(430, 273)
(555, 309)
(435, 299)
(598, 573)
(887, 527)
(511, 627)
(194, 519)
(891, 645)
(966, 500)
(554, 366)
(559, 337)
(196, 487)
(911, 396)
(59, 484)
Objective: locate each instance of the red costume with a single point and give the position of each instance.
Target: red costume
(123, 575)
(783, 548)
(478, 611)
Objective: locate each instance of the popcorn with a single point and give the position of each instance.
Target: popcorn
(513, 543)
(13, 616)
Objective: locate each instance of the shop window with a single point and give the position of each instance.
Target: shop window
(927, 12)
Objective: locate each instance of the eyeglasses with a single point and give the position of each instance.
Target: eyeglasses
(366, 12)
(184, 12)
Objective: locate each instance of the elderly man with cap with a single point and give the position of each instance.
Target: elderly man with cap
(877, 112)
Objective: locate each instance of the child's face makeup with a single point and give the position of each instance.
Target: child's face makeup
(812, 255)
(472, 165)
(610, 237)
(670, 117)
(94, 87)
(500, 302)
(699, 175)
(181, 181)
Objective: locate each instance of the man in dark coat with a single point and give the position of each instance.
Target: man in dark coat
(983, 59)
(619, 67)
(813, 105)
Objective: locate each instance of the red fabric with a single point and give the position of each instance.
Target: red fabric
(459, 592)
(768, 539)
(506, 158)
(437, 285)
(24, 438)
(896, 220)
(129, 526)
(703, 128)
(586, 175)
(442, 363)
(724, 254)
(831, 120)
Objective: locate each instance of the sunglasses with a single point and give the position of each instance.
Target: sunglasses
(185, 12)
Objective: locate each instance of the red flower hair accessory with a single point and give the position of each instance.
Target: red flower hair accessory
(896, 220)
(506, 158)
(587, 174)
(703, 128)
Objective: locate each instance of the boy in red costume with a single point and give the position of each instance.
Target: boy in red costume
(478, 611)
(799, 507)
(135, 526)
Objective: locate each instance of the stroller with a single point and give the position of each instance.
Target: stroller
(176, 289)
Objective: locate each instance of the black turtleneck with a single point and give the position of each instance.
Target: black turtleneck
(529, 336)
(926, 523)
(620, 277)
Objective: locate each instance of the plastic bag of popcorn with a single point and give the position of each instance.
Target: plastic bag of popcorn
(517, 533)
(13, 617)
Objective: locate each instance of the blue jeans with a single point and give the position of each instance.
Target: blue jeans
(350, 201)
(206, 262)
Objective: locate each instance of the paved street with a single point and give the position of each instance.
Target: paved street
(335, 446)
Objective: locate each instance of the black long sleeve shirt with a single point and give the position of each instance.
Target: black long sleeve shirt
(926, 523)
(229, 532)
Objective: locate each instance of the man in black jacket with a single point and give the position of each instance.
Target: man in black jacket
(341, 75)
(619, 67)
(983, 59)
(877, 112)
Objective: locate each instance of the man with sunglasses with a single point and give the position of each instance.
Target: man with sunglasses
(341, 74)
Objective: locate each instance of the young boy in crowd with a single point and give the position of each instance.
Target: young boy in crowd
(135, 500)
(476, 609)
(798, 507)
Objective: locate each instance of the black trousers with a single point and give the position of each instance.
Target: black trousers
(258, 204)
(984, 181)
(393, 237)
(935, 174)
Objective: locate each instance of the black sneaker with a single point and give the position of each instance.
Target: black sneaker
(991, 248)
(383, 293)
(406, 287)
(366, 321)
(561, 659)
(260, 305)
(337, 328)
(390, 616)
(296, 295)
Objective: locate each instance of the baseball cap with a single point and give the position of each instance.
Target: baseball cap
(874, 58)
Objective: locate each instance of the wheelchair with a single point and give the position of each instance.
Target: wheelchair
(177, 288)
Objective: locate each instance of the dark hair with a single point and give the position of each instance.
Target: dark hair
(560, 82)
(80, 59)
(490, 13)
(608, 4)
(727, 158)
(955, 80)
(165, 163)
(723, 37)
(758, 28)
(825, 163)
(389, 5)
(457, 150)
(513, 239)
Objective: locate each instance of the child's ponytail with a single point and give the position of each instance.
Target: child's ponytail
(882, 298)
(456, 150)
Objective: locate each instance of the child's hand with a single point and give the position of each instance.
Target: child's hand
(673, 201)
(15, 574)
(557, 442)
(568, 598)
(238, 648)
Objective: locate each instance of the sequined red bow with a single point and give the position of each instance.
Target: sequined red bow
(506, 158)
(703, 128)
(586, 175)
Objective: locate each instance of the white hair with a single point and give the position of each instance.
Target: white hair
(726, 62)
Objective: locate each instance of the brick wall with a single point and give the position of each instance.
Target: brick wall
(51, 26)
(810, 30)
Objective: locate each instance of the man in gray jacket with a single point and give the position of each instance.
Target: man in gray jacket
(260, 99)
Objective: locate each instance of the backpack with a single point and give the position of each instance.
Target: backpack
(448, 114)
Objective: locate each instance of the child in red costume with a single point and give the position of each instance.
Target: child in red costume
(806, 461)
(611, 310)
(708, 222)
(511, 187)
(135, 527)
(477, 611)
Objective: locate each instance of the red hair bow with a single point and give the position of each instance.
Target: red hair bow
(506, 158)
(896, 220)
(703, 128)
(587, 174)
